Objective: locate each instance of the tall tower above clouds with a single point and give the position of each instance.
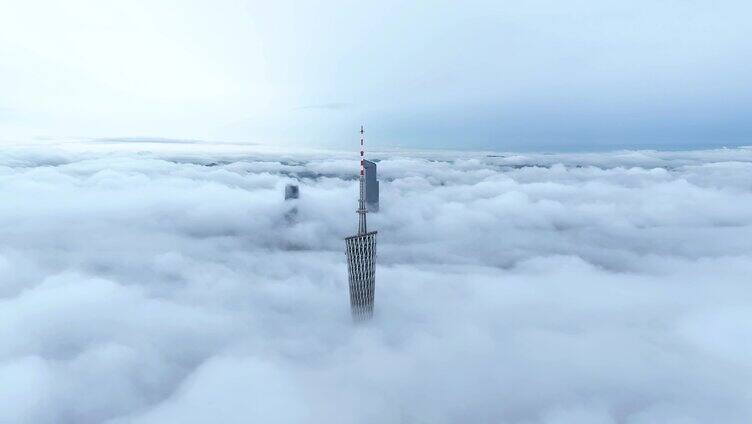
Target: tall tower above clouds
(361, 255)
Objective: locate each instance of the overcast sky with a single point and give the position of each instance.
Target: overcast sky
(476, 74)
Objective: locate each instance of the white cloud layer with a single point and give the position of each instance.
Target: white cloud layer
(580, 288)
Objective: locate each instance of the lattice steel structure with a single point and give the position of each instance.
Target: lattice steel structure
(361, 256)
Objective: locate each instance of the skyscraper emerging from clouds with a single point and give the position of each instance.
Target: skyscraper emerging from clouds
(372, 186)
(361, 256)
(292, 193)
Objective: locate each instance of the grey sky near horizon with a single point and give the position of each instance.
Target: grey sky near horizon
(488, 75)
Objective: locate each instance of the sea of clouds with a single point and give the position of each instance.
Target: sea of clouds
(150, 285)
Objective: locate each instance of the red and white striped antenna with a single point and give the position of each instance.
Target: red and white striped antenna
(362, 157)
(362, 200)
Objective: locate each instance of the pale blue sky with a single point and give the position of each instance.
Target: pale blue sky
(534, 75)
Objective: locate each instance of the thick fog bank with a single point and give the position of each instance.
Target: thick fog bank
(576, 288)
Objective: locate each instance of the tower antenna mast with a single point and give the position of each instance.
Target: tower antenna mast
(362, 210)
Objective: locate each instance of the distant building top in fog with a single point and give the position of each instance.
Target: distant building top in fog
(291, 192)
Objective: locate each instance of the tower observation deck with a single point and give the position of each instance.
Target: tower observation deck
(361, 256)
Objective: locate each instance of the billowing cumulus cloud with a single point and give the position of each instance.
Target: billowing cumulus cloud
(165, 284)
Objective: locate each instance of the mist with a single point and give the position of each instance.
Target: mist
(163, 283)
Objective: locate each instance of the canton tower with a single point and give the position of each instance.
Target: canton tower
(361, 256)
